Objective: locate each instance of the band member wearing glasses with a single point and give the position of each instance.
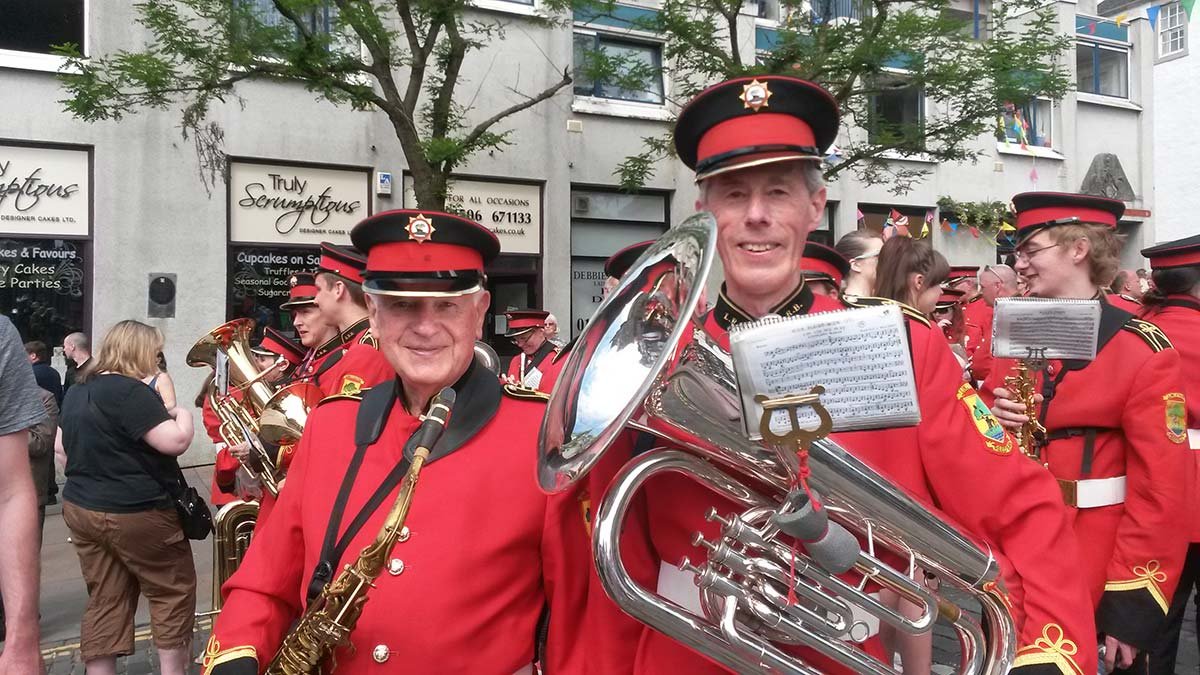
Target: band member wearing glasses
(489, 573)
(755, 145)
(1116, 436)
(533, 367)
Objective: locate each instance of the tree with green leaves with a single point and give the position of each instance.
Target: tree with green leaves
(866, 53)
(403, 58)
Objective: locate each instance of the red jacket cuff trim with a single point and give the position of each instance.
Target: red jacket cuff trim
(215, 656)
(1148, 577)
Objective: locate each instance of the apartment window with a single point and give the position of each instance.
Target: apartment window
(36, 25)
(629, 71)
(1172, 30)
(973, 21)
(1029, 124)
(318, 19)
(897, 112)
(831, 10)
(1102, 69)
(765, 9)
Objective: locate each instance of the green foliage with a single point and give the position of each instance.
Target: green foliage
(985, 216)
(886, 48)
(401, 57)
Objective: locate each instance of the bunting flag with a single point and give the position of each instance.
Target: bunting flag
(902, 227)
(1092, 27)
(1152, 14)
(889, 230)
(1120, 19)
(1033, 174)
(862, 219)
(1002, 131)
(974, 231)
(1006, 226)
(925, 229)
(945, 224)
(954, 226)
(1187, 7)
(894, 215)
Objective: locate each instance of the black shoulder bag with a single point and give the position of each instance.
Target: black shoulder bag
(194, 515)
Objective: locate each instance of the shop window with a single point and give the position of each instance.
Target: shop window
(897, 111)
(1102, 69)
(37, 25)
(1029, 124)
(259, 281)
(1172, 30)
(43, 287)
(629, 71)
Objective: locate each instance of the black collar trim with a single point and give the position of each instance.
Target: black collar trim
(727, 314)
(1189, 303)
(536, 359)
(354, 329)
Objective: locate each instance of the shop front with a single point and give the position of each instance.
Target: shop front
(513, 210)
(45, 239)
(279, 213)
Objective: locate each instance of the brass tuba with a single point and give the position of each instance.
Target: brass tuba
(232, 530)
(263, 413)
(644, 362)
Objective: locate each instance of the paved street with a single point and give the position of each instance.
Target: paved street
(63, 597)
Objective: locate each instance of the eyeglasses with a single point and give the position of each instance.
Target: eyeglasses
(1026, 256)
(865, 256)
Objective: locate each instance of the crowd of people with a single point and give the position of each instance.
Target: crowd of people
(1092, 530)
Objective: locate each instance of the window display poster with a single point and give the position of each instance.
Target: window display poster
(43, 283)
(260, 279)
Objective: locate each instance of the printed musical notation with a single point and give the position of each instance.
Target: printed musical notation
(860, 356)
(1053, 328)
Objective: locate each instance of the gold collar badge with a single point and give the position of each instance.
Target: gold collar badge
(420, 228)
(755, 95)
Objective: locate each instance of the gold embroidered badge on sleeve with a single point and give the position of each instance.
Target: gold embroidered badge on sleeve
(1176, 409)
(1052, 648)
(994, 436)
(352, 385)
(214, 656)
(1148, 577)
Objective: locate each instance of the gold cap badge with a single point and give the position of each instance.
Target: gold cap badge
(420, 228)
(755, 95)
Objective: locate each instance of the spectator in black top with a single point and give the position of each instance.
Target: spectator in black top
(45, 374)
(120, 441)
(77, 349)
(20, 409)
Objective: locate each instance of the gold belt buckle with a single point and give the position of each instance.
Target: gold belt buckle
(1070, 492)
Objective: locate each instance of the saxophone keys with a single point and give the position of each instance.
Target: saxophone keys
(381, 653)
(395, 567)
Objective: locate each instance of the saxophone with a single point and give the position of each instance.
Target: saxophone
(329, 619)
(1023, 385)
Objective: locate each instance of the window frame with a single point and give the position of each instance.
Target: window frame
(1051, 108)
(517, 7)
(1180, 14)
(622, 107)
(921, 103)
(49, 63)
(1104, 45)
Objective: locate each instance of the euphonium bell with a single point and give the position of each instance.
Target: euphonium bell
(644, 362)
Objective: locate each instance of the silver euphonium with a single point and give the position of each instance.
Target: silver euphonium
(643, 362)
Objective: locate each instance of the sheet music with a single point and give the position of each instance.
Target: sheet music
(1065, 329)
(860, 356)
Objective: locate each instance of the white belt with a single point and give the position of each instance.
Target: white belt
(1094, 492)
(680, 587)
(1194, 438)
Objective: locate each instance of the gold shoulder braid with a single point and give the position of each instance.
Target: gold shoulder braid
(872, 301)
(525, 393)
(1151, 334)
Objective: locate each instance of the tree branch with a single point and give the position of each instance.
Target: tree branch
(483, 126)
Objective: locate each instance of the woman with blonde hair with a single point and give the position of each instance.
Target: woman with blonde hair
(120, 443)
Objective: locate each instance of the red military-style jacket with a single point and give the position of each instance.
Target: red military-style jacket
(543, 360)
(225, 465)
(1131, 305)
(1179, 318)
(1122, 414)
(486, 553)
(977, 315)
(958, 460)
(356, 365)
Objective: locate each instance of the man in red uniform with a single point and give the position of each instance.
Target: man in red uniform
(1173, 304)
(966, 279)
(823, 269)
(995, 281)
(755, 145)
(356, 363)
(484, 553)
(1125, 291)
(1116, 426)
(533, 367)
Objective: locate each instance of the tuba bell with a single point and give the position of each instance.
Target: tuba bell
(233, 529)
(644, 363)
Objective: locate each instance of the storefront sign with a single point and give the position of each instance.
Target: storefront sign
(511, 210)
(295, 205)
(260, 278)
(44, 191)
(587, 290)
(42, 287)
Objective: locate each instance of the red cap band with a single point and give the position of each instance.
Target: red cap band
(763, 129)
(411, 256)
(518, 324)
(268, 343)
(819, 266)
(1046, 214)
(1181, 259)
(331, 264)
(302, 291)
